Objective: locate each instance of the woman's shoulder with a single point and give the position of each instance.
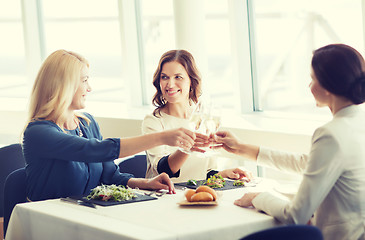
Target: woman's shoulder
(335, 129)
(162, 118)
(88, 116)
(40, 127)
(38, 124)
(87, 119)
(152, 118)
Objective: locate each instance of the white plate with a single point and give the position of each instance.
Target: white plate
(186, 203)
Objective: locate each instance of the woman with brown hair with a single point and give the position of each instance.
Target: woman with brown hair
(178, 88)
(332, 192)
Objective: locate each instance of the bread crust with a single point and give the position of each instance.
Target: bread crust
(207, 189)
(202, 197)
(189, 193)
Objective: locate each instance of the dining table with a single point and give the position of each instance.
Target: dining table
(163, 217)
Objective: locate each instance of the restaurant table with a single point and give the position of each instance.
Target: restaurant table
(162, 218)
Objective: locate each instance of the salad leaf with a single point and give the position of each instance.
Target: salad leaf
(216, 181)
(238, 183)
(112, 193)
(191, 182)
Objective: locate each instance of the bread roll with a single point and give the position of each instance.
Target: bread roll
(207, 189)
(188, 194)
(202, 197)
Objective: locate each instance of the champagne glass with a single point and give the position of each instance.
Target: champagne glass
(195, 121)
(212, 123)
(196, 118)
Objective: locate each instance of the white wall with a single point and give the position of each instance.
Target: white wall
(11, 126)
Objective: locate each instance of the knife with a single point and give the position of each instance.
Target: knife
(78, 202)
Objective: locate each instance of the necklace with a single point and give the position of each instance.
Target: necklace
(78, 128)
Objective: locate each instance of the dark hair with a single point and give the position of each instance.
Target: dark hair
(187, 61)
(340, 69)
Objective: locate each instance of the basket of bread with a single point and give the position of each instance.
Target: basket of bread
(203, 195)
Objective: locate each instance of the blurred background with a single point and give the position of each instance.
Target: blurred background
(254, 56)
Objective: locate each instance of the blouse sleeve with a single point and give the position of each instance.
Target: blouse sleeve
(45, 139)
(156, 157)
(285, 161)
(323, 169)
(112, 175)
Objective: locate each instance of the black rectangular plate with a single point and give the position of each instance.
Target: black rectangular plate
(229, 185)
(139, 198)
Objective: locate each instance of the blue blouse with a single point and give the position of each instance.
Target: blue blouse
(63, 164)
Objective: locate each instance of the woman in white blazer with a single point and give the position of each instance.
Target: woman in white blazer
(332, 193)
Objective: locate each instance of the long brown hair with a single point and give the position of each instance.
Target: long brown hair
(187, 61)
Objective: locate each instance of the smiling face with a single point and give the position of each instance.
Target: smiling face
(78, 101)
(320, 94)
(174, 83)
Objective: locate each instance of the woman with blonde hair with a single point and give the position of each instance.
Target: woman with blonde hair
(65, 152)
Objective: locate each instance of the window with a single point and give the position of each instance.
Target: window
(13, 81)
(283, 34)
(286, 33)
(158, 33)
(219, 78)
(91, 28)
(159, 37)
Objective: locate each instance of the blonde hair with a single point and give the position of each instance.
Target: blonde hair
(57, 81)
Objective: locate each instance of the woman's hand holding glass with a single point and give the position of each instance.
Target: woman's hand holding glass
(181, 137)
(204, 122)
(210, 122)
(225, 140)
(201, 141)
(195, 123)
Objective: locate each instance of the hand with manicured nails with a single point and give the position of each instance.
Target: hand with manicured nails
(161, 181)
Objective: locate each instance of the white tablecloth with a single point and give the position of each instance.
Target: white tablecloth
(156, 219)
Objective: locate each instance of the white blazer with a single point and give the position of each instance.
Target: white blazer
(333, 185)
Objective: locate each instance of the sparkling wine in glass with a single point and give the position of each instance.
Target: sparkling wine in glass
(212, 122)
(195, 122)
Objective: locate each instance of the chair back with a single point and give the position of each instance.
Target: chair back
(11, 158)
(136, 165)
(14, 193)
(297, 232)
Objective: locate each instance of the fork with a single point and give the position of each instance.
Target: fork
(158, 193)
